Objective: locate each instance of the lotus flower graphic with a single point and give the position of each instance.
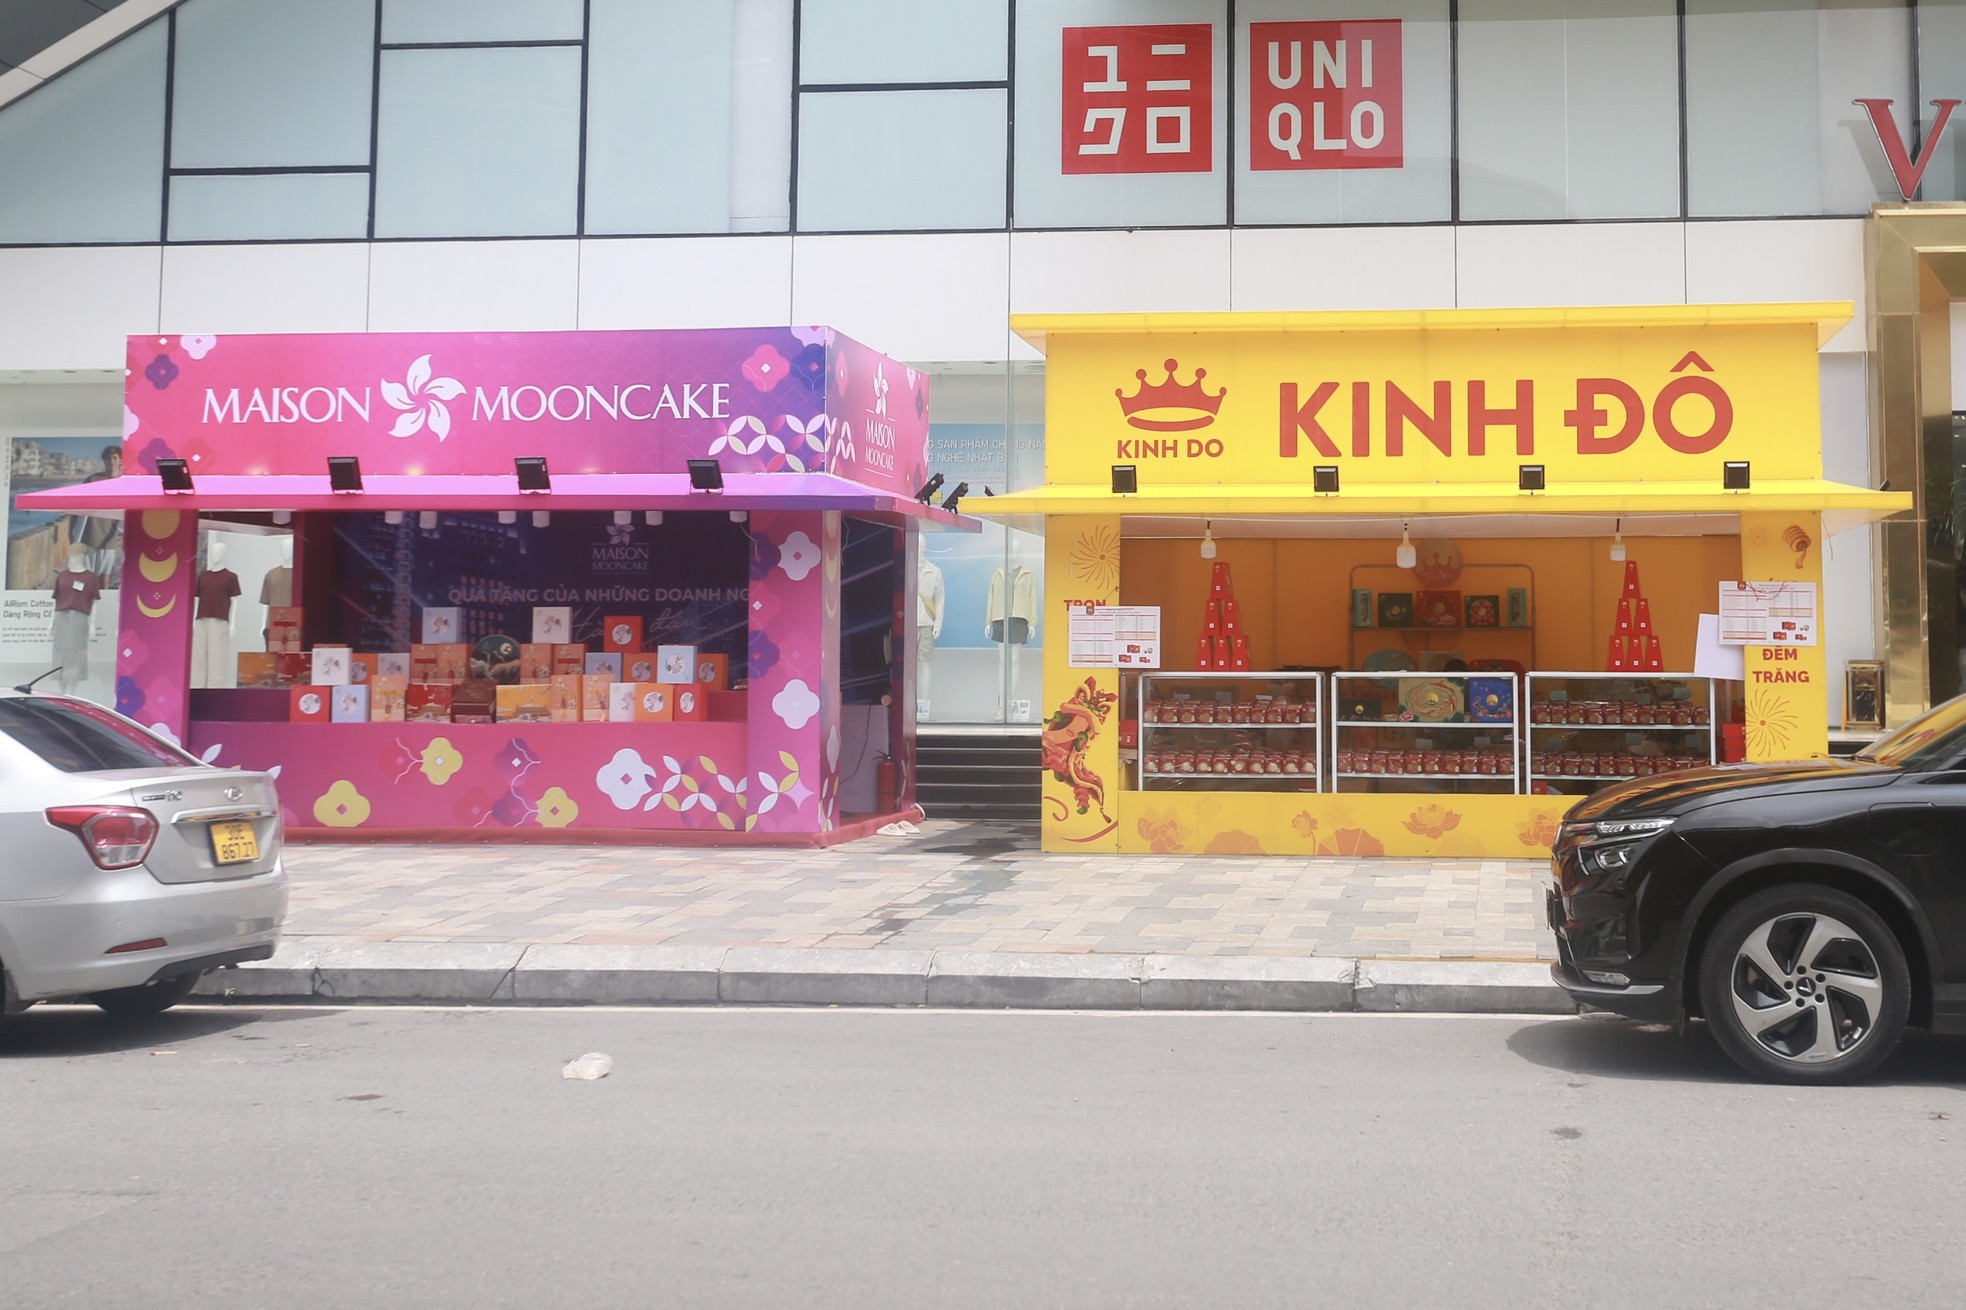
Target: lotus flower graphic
(880, 390)
(422, 398)
(621, 534)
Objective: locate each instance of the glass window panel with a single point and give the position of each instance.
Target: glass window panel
(903, 41)
(478, 142)
(658, 118)
(1569, 109)
(1110, 147)
(262, 83)
(1777, 133)
(761, 116)
(83, 156)
(270, 207)
(1941, 57)
(901, 160)
(417, 21)
(1273, 187)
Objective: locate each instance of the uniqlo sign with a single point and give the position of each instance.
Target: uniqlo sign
(1138, 99)
(1325, 95)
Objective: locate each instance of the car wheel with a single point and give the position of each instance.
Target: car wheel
(1805, 984)
(148, 998)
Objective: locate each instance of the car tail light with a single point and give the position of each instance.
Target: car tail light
(115, 836)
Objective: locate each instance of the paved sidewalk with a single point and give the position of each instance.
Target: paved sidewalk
(974, 887)
(965, 914)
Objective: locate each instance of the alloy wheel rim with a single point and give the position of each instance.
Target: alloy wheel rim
(1806, 988)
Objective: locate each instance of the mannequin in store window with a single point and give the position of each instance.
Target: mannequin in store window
(276, 589)
(929, 598)
(77, 588)
(1010, 614)
(211, 630)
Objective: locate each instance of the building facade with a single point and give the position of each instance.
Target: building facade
(252, 166)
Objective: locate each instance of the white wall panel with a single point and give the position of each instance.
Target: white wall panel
(1574, 264)
(490, 286)
(1119, 272)
(234, 289)
(1792, 259)
(1285, 269)
(918, 298)
(1849, 593)
(72, 307)
(686, 282)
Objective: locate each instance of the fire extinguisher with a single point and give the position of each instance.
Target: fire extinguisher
(887, 785)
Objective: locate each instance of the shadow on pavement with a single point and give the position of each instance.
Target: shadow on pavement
(62, 1032)
(1602, 1046)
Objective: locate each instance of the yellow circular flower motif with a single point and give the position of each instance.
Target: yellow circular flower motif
(557, 809)
(441, 760)
(341, 806)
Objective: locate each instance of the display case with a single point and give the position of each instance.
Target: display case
(1455, 732)
(1587, 730)
(1236, 731)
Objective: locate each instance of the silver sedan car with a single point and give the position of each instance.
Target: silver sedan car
(127, 868)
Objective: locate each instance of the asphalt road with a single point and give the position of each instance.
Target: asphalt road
(394, 1158)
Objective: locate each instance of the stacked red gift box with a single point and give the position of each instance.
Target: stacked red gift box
(1243, 759)
(1397, 763)
(1634, 647)
(1606, 713)
(1222, 645)
(1609, 764)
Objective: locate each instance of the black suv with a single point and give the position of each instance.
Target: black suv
(1808, 912)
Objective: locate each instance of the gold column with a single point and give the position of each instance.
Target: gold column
(1917, 262)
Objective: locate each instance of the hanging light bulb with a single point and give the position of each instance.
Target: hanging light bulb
(1207, 540)
(1618, 541)
(1406, 557)
(653, 518)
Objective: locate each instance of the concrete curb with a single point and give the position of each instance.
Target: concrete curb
(353, 972)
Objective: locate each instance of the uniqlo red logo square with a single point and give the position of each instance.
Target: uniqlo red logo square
(1139, 99)
(1325, 95)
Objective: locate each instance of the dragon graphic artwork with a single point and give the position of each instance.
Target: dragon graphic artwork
(1068, 733)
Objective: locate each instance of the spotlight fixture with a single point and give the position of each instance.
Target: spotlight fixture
(283, 516)
(652, 517)
(1126, 479)
(175, 474)
(508, 517)
(1529, 477)
(1324, 479)
(1618, 541)
(1733, 474)
(427, 520)
(706, 475)
(531, 470)
(344, 473)
(392, 517)
(623, 517)
(740, 516)
(1405, 557)
(1207, 540)
(542, 518)
(929, 488)
(949, 501)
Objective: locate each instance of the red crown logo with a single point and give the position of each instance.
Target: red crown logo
(1169, 406)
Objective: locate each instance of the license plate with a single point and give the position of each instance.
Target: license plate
(234, 843)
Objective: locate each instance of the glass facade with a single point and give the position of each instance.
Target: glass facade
(234, 121)
(612, 117)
